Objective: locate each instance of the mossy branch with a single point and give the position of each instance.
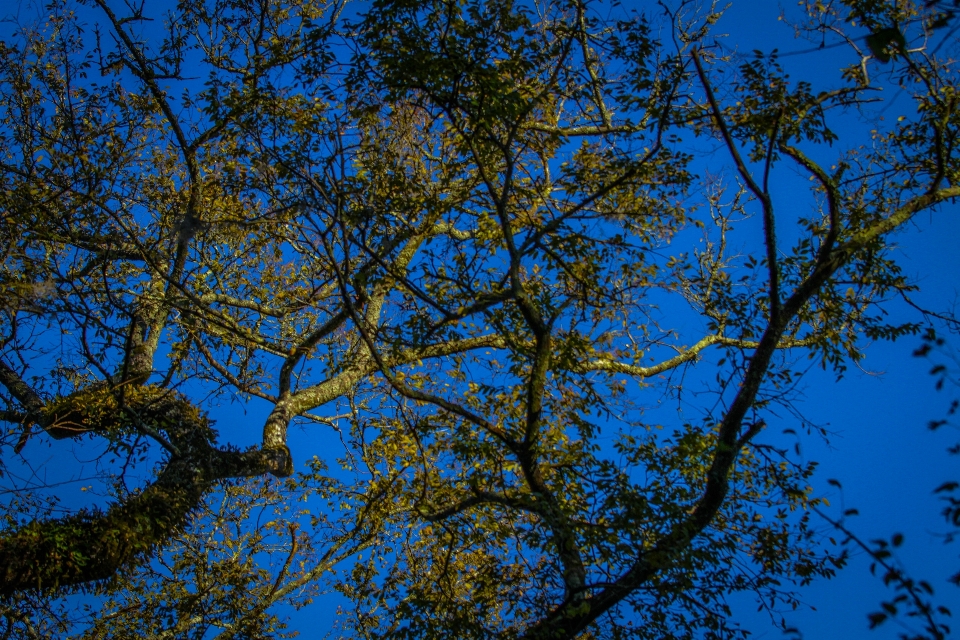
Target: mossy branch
(91, 546)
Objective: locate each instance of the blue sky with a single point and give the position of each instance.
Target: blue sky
(881, 451)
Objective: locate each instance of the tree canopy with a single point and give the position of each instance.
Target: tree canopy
(543, 272)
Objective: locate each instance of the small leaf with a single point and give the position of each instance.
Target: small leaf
(876, 618)
(946, 486)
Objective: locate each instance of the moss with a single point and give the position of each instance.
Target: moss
(118, 411)
(91, 546)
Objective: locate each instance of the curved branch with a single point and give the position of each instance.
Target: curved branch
(686, 355)
(92, 546)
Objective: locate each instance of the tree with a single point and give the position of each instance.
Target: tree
(456, 232)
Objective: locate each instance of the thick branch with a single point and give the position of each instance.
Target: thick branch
(19, 389)
(92, 546)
